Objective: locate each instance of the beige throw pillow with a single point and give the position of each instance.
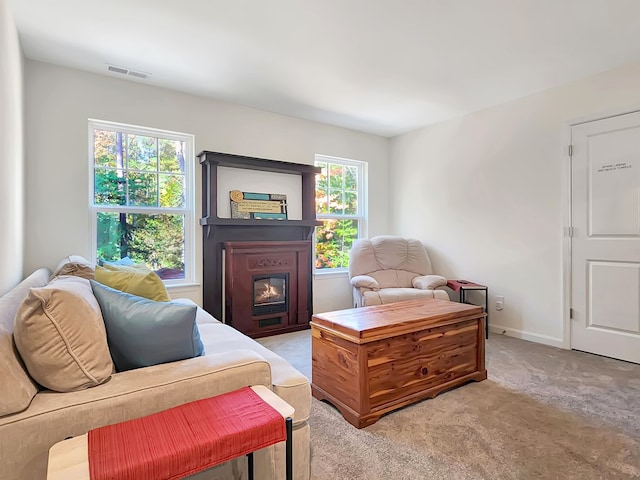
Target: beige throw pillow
(77, 270)
(74, 265)
(61, 337)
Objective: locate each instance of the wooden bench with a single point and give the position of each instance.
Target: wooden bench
(68, 459)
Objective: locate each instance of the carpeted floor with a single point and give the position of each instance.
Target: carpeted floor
(543, 413)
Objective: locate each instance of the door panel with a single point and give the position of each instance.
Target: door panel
(613, 296)
(613, 159)
(605, 247)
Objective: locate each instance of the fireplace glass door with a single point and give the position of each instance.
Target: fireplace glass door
(270, 293)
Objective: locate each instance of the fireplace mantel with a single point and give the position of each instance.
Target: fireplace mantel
(217, 231)
(210, 162)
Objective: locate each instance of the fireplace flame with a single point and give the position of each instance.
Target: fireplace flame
(269, 292)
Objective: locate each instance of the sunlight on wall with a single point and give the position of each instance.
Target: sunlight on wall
(11, 152)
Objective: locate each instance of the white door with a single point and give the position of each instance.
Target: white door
(605, 247)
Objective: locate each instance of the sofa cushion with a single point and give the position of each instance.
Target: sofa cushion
(134, 279)
(17, 387)
(60, 335)
(143, 332)
(288, 383)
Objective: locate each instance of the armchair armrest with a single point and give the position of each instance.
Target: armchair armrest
(364, 281)
(428, 282)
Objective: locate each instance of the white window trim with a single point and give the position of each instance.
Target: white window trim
(362, 216)
(188, 210)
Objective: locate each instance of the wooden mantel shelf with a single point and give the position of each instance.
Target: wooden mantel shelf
(240, 222)
(210, 162)
(252, 163)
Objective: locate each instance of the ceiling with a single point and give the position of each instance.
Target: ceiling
(379, 66)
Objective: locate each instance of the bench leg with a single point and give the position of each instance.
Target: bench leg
(288, 455)
(250, 465)
(289, 448)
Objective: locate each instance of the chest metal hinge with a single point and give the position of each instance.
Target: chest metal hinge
(571, 150)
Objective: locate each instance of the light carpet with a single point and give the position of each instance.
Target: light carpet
(543, 413)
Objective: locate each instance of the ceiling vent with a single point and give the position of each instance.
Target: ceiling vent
(126, 71)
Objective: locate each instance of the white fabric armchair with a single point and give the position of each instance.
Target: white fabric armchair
(387, 269)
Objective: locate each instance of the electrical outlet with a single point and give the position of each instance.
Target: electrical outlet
(499, 302)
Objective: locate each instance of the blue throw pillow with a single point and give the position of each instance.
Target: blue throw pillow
(142, 332)
(122, 261)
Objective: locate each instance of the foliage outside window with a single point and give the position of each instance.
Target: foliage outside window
(340, 207)
(141, 202)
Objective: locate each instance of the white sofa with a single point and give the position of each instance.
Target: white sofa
(388, 269)
(32, 419)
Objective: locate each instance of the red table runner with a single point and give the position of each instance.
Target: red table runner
(184, 440)
(456, 284)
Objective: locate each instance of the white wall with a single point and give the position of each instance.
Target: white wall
(60, 100)
(11, 153)
(485, 193)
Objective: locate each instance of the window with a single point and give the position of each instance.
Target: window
(142, 198)
(340, 205)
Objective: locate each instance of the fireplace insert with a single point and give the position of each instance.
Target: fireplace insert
(270, 293)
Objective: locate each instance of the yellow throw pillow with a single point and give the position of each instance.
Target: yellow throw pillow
(134, 279)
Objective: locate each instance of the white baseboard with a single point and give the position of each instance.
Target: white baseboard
(531, 337)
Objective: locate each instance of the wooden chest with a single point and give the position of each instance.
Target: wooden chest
(372, 360)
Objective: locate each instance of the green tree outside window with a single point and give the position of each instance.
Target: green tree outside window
(145, 175)
(339, 190)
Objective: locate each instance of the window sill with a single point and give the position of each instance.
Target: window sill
(331, 273)
(181, 286)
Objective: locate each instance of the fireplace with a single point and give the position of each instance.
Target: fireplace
(286, 249)
(266, 286)
(270, 293)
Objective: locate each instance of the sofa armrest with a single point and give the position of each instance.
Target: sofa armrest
(428, 282)
(364, 281)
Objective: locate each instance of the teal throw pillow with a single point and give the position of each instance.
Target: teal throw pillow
(143, 332)
(122, 261)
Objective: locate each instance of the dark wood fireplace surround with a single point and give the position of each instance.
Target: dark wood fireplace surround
(256, 247)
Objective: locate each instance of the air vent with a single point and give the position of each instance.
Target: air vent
(126, 71)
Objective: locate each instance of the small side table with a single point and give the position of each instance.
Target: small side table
(462, 286)
(68, 459)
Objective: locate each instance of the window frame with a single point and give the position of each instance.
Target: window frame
(361, 216)
(188, 210)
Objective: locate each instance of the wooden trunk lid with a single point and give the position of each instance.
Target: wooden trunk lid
(366, 324)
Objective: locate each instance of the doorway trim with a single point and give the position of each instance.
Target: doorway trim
(566, 212)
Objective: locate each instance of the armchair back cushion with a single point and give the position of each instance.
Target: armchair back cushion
(393, 261)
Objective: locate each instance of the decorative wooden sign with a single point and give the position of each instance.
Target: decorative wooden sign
(261, 206)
